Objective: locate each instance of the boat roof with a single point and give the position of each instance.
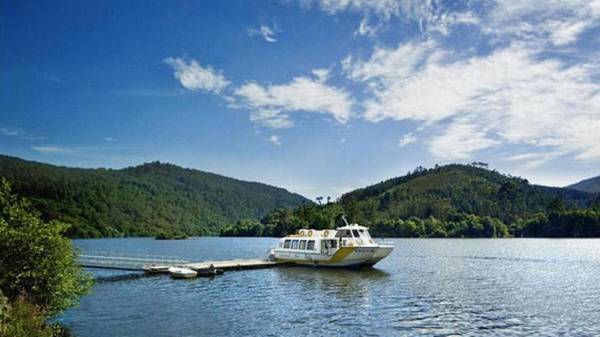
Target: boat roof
(352, 226)
(315, 233)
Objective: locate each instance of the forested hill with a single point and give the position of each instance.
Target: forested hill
(144, 200)
(447, 190)
(447, 201)
(591, 185)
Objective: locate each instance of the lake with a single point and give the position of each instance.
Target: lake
(437, 287)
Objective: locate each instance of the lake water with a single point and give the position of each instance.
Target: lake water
(425, 287)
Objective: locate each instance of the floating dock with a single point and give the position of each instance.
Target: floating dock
(232, 264)
(161, 264)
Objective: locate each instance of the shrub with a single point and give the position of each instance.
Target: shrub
(36, 260)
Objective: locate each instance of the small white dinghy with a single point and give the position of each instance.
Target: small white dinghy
(156, 269)
(177, 272)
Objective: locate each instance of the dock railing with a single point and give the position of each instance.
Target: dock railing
(125, 261)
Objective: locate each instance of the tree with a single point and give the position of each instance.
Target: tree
(557, 204)
(37, 261)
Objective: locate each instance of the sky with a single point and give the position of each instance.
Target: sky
(319, 97)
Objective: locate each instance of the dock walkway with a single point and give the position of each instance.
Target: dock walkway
(232, 264)
(161, 264)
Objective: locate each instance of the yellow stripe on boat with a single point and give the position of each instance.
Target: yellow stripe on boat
(340, 254)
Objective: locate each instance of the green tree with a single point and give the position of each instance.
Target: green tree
(37, 261)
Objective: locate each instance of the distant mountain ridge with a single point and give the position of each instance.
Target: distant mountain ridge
(143, 200)
(590, 185)
(456, 188)
(446, 201)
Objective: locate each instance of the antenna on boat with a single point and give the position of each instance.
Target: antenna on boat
(345, 221)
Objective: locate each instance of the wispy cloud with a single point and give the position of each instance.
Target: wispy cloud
(51, 149)
(464, 101)
(275, 140)
(365, 28)
(11, 131)
(511, 96)
(264, 31)
(431, 15)
(532, 160)
(459, 140)
(193, 76)
(19, 133)
(271, 105)
(547, 21)
(407, 139)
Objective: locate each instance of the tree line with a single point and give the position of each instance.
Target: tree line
(147, 200)
(445, 201)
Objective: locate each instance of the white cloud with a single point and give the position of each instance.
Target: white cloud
(511, 96)
(556, 21)
(366, 29)
(50, 149)
(11, 131)
(274, 140)
(266, 32)
(19, 133)
(444, 22)
(407, 139)
(562, 33)
(321, 74)
(547, 21)
(385, 8)
(274, 119)
(532, 160)
(193, 76)
(459, 141)
(431, 15)
(109, 139)
(271, 105)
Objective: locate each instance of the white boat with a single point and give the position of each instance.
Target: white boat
(156, 269)
(177, 272)
(347, 246)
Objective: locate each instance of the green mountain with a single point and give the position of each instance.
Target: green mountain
(444, 191)
(144, 200)
(591, 185)
(447, 201)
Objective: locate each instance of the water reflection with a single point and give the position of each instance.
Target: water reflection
(340, 283)
(425, 287)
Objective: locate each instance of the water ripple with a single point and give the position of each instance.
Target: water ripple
(426, 287)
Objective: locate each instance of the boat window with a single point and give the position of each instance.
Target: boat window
(287, 243)
(343, 234)
(326, 244)
(295, 244)
(355, 232)
(310, 245)
(302, 244)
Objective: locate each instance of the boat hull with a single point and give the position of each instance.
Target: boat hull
(344, 257)
(182, 273)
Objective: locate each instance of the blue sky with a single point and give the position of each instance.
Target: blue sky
(319, 97)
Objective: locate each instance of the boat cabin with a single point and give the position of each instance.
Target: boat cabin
(326, 241)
